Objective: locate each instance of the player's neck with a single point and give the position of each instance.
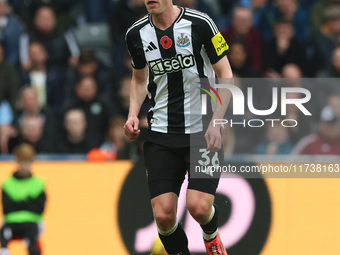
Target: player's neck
(167, 18)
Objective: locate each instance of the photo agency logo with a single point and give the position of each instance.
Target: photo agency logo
(279, 104)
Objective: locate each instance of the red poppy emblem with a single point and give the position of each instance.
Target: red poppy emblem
(166, 42)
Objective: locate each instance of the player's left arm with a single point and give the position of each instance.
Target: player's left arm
(216, 48)
(213, 134)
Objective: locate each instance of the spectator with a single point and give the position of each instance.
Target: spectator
(125, 69)
(334, 103)
(307, 4)
(246, 137)
(116, 138)
(293, 77)
(10, 31)
(61, 47)
(66, 10)
(333, 70)
(276, 140)
(73, 138)
(6, 129)
(6, 115)
(327, 87)
(47, 81)
(123, 15)
(8, 80)
(225, 8)
(29, 107)
(239, 61)
(8, 95)
(199, 5)
(260, 9)
(290, 10)
(317, 12)
(97, 10)
(327, 39)
(23, 202)
(123, 101)
(34, 124)
(241, 30)
(305, 123)
(31, 131)
(97, 111)
(291, 71)
(262, 16)
(281, 50)
(88, 66)
(326, 141)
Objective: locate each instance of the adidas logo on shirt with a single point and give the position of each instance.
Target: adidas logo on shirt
(151, 47)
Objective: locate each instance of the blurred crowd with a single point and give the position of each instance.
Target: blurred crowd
(65, 72)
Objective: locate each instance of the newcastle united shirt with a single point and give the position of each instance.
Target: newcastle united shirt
(175, 58)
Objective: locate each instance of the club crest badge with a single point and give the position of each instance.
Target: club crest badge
(183, 41)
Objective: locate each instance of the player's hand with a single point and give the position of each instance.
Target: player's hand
(213, 138)
(131, 128)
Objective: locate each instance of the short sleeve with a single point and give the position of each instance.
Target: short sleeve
(213, 41)
(138, 59)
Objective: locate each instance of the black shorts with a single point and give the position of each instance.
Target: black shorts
(27, 230)
(166, 167)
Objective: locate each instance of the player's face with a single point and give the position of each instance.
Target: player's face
(157, 7)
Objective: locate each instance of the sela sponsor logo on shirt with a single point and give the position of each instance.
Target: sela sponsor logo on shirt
(162, 66)
(219, 43)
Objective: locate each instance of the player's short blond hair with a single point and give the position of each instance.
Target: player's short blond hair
(24, 152)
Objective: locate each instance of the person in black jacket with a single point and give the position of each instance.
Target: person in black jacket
(97, 110)
(73, 138)
(33, 124)
(46, 80)
(283, 49)
(61, 46)
(88, 65)
(239, 61)
(8, 80)
(23, 211)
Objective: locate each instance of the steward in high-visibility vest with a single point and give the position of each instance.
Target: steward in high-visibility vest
(23, 202)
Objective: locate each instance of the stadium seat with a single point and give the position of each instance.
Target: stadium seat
(96, 37)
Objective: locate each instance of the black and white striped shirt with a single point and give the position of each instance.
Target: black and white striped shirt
(175, 57)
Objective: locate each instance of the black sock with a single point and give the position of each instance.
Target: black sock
(176, 243)
(211, 226)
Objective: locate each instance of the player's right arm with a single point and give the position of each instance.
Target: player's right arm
(138, 83)
(137, 97)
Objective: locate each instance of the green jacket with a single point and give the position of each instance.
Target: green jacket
(23, 199)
